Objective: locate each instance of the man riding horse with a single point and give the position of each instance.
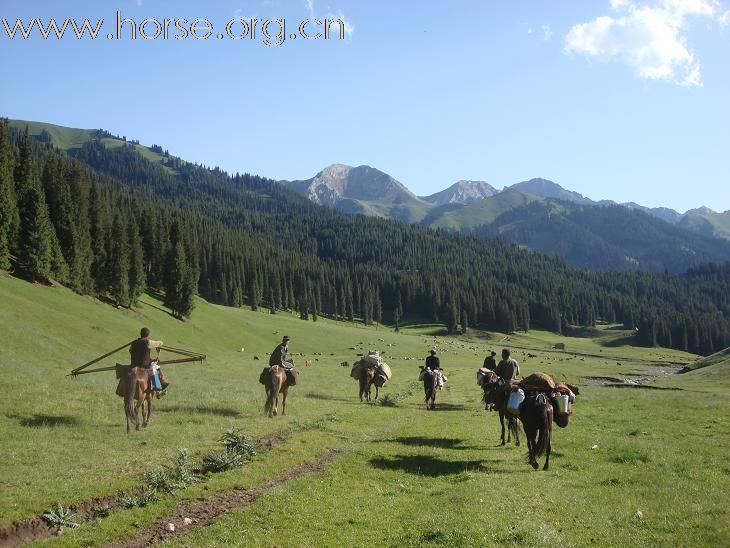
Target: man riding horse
(434, 364)
(279, 357)
(141, 356)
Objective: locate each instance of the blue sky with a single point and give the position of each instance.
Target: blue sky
(615, 99)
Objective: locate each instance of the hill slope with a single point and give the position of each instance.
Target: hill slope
(606, 237)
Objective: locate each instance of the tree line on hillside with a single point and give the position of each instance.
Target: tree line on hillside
(109, 222)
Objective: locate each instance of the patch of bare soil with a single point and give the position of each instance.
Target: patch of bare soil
(203, 511)
(37, 528)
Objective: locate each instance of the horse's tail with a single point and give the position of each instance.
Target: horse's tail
(272, 392)
(543, 411)
(129, 396)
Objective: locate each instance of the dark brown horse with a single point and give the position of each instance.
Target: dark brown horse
(536, 413)
(276, 382)
(367, 376)
(138, 389)
(430, 385)
(496, 395)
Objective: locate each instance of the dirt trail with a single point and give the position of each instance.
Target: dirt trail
(204, 511)
(37, 528)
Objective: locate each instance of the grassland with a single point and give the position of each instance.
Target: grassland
(395, 475)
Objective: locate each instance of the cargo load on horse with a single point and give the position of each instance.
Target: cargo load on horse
(370, 370)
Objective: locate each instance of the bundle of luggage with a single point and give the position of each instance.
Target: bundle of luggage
(372, 360)
(564, 393)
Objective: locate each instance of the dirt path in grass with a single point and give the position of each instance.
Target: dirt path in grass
(203, 511)
(37, 528)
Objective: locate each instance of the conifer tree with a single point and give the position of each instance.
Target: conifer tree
(137, 279)
(9, 218)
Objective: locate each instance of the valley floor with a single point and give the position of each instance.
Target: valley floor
(635, 467)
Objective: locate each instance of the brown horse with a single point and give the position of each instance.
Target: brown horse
(139, 390)
(367, 376)
(496, 395)
(536, 413)
(277, 382)
(430, 385)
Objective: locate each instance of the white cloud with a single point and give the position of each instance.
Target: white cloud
(648, 38)
(725, 18)
(309, 4)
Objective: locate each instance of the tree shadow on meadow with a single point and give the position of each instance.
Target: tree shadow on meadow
(40, 421)
(206, 410)
(426, 465)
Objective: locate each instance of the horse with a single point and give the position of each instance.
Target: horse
(536, 413)
(496, 395)
(367, 376)
(277, 382)
(430, 385)
(139, 389)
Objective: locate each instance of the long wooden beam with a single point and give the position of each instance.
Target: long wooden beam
(92, 362)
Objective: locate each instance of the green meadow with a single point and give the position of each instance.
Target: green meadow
(635, 467)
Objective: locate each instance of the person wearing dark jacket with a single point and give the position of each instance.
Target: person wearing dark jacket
(489, 362)
(279, 357)
(140, 354)
(434, 364)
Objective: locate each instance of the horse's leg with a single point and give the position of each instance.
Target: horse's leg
(137, 405)
(149, 410)
(126, 414)
(501, 421)
(517, 431)
(376, 392)
(283, 401)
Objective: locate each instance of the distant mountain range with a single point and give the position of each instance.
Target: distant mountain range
(538, 214)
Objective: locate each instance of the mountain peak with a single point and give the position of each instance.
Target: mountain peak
(544, 188)
(462, 192)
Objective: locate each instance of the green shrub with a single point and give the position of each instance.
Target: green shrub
(145, 499)
(220, 461)
(60, 516)
(239, 443)
(172, 478)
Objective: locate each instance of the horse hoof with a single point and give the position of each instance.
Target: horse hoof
(545, 467)
(517, 443)
(503, 443)
(535, 465)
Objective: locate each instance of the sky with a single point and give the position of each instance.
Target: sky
(616, 99)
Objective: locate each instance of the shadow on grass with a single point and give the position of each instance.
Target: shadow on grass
(424, 465)
(327, 397)
(39, 421)
(449, 407)
(192, 410)
(424, 441)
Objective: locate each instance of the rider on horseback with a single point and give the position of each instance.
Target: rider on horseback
(508, 368)
(140, 355)
(279, 357)
(434, 364)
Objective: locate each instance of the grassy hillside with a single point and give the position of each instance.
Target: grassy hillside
(435, 475)
(708, 224)
(482, 212)
(65, 138)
